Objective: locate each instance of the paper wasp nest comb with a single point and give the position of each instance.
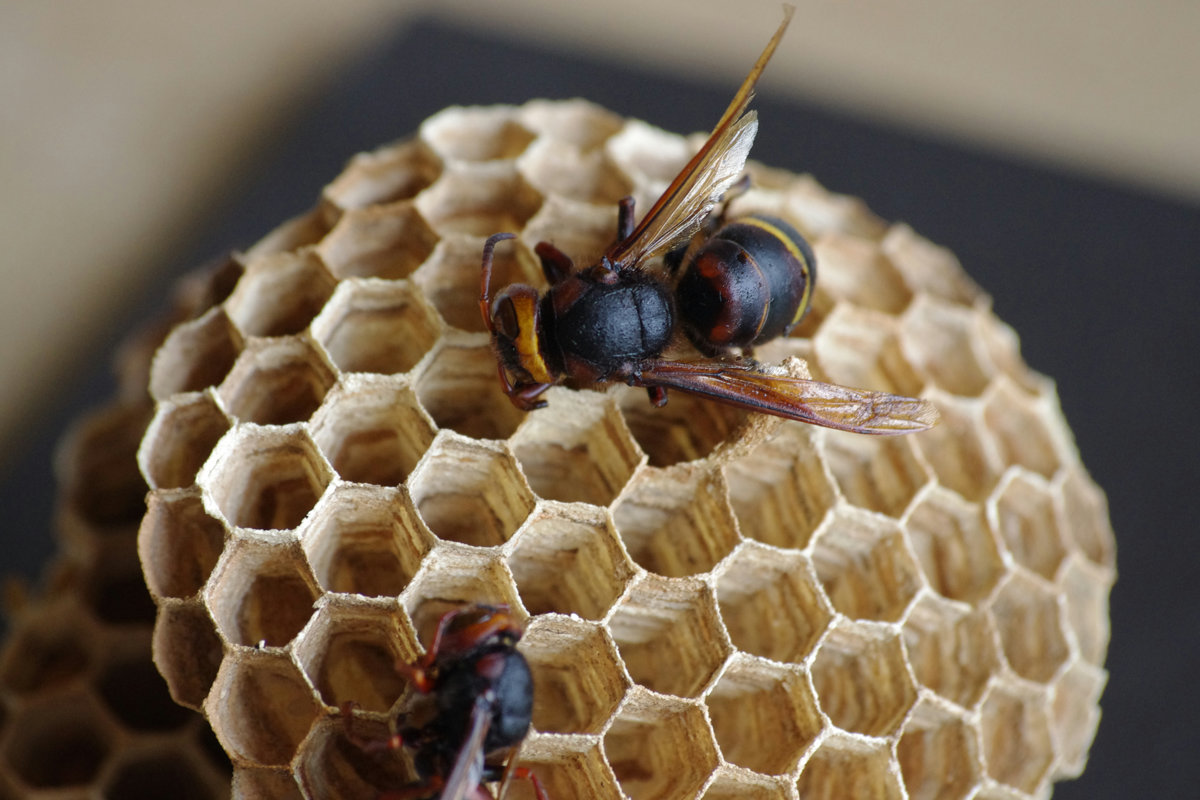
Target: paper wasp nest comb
(83, 711)
(716, 612)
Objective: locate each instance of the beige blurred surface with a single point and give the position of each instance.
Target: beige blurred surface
(122, 120)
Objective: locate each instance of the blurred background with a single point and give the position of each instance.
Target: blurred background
(124, 124)
(1054, 147)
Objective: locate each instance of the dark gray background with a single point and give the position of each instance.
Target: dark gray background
(1099, 280)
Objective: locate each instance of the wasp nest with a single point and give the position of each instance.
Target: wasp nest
(720, 608)
(83, 711)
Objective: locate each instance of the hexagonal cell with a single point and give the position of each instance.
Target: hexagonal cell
(478, 133)
(280, 294)
(577, 676)
(1015, 730)
(1085, 517)
(736, 784)
(113, 587)
(453, 576)
(277, 381)
(179, 438)
(781, 492)
(854, 270)
(961, 459)
(179, 544)
(366, 541)
(480, 199)
(865, 566)
(65, 740)
(1016, 424)
(878, 473)
(581, 230)
(376, 326)
(567, 766)
(1028, 618)
(862, 680)
(570, 562)
(129, 685)
(49, 648)
(197, 354)
(821, 211)
(846, 767)
(577, 450)
(859, 347)
(378, 242)
(96, 467)
(471, 492)
(929, 268)
(1003, 347)
(260, 783)
(771, 603)
(577, 122)
(687, 428)
(952, 650)
(652, 156)
(1022, 512)
(954, 546)
(350, 651)
(300, 231)
(669, 635)
(938, 754)
(676, 522)
(460, 391)
(265, 478)
(556, 167)
(1086, 589)
(385, 176)
(1076, 715)
(372, 430)
(187, 651)
(164, 772)
(449, 278)
(943, 341)
(330, 765)
(260, 707)
(261, 594)
(764, 715)
(660, 747)
(210, 285)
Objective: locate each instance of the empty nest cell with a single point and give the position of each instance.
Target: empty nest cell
(781, 492)
(862, 679)
(378, 242)
(182, 434)
(378, 326)
(460, 391)
(372, 429)
(179, 544)
(365, 540)
(676, 522)
(764, 715)
(383, 177)
(771, 603)
(660, 747)
(350, 651)
(265, 478)
(471, 492)
(261, 594)
(578, 677)
(570, 561)
(576, 450)
(277, 381)
(279, 294)
(669, 635)
(865, 565)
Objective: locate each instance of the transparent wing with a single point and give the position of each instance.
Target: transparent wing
(468, 767)
(815, 402)
(682, 208)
